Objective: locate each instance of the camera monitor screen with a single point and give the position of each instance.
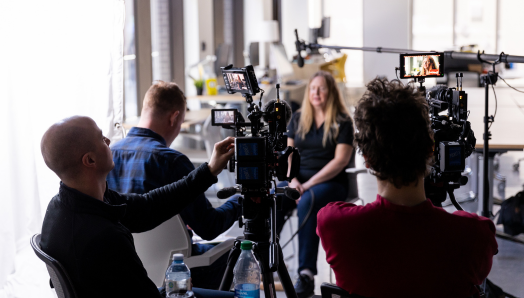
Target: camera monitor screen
(223, 117)
(247, 149)
(421, 65)
(237, 82)
(248, 173)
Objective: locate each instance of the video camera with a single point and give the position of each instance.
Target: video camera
(454, 139)
(261, 155)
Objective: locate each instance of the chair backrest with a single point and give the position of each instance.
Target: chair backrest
(352, 179)
(331, 291)
(155, 247)
(59, 278)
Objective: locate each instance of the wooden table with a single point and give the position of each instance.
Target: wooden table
(195, 117)
(192, 117)
(225, 98)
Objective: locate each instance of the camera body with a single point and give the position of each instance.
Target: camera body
(261, 151)
(454, 141)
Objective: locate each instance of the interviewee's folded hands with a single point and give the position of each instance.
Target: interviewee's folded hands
(222, 152)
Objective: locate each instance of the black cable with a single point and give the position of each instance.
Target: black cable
(396, 72)
(261, 94)
(496, 101)
(510, 85)
(305, 219)
(452, 198)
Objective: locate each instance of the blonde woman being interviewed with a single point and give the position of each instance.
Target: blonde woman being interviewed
(322, 130)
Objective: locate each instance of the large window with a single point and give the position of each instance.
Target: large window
(432, 25)
(160, 40)
(510, 33)
(347, 30)
(130, 81)
(476, 24)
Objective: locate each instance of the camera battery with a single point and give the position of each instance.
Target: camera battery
(452, 158)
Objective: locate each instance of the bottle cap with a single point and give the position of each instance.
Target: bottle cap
(178, 257)
(246, 245)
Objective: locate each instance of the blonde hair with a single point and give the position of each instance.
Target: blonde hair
(336, 111)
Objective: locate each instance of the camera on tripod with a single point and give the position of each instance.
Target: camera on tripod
(261, 156)
(454, 139)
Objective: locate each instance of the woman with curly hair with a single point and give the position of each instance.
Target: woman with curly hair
(322, 130)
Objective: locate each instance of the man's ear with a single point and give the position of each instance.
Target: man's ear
(173, 117)
(89, 160)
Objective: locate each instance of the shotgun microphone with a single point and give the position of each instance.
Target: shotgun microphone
(298, 45)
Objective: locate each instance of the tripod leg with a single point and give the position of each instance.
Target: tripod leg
(287, 284)
(227, 280)
(262, 254)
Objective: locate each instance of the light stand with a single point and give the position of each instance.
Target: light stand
(488, 79)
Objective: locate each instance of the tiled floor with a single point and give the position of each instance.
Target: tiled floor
(508, 265)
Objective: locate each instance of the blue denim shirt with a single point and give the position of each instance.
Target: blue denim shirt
(143, 162)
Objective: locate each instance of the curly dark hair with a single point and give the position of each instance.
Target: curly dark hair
(394, 131)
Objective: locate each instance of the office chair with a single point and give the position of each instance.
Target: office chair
(331, 291)
(156, 248)
(59, 278)
(352, 180)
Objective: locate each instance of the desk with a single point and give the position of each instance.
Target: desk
(226, 98)
(191, 118)
(507, 132)
(195, 117)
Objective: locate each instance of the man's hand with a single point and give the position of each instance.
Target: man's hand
(222, 152)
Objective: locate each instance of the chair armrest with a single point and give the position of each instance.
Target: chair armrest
(328, 290)
(356, 171)
(210, 256)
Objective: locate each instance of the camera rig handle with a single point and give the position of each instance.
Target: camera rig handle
(273, 246)
(283, 164)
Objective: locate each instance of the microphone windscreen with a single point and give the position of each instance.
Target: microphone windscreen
(269, 106)
(226, 192)
(300, 61)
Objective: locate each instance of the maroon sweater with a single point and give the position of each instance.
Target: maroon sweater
(388, 250)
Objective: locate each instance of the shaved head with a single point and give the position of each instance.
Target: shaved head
(65, 142)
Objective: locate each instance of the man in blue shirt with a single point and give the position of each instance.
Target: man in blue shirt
(144, 161)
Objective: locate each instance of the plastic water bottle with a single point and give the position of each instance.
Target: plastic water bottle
(178, 278)
(246, 273)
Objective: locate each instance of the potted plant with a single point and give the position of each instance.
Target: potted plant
(199, 84)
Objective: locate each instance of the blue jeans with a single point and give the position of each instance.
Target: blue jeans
(308, 240)
(208, 277)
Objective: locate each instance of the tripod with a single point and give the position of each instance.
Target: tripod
(260, 229)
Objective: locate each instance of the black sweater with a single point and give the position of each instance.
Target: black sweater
(93, 241)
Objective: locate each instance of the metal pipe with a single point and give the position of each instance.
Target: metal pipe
(451, 54)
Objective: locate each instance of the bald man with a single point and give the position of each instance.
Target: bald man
(144, 161)
(87, 227)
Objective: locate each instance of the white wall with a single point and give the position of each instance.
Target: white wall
(294, 16)
(205, 28)
(386, 24)
(191, 46)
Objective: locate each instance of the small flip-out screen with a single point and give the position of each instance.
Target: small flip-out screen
(421, 65)
(223, 117)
